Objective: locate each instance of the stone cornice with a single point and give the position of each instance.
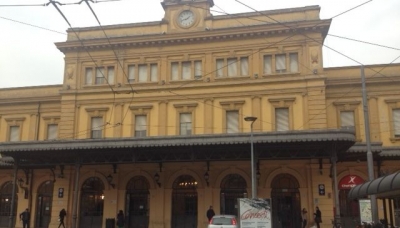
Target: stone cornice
(217, 35)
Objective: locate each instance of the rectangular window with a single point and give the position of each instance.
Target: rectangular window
(280, 63)
(110, 75)
(153, 72)
(52, 131)
(294, 66)
(232, 67)
(396, 122)
(220, 68)
(14, 134)
(347, 119)
(282, 119)
(197, 69)
(142, 73)
(232, 121)
(97, 127)
(140, 126)
(131, 73)
(185, 122)
(88, 76)
(186, 70)
(174, 71)
(100, 75)
(267, 64)
(244, 66)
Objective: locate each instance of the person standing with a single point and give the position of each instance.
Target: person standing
(210, 213)
(304, 218)
(61, 216)
(120, 219)
(317, 218)
(25, 216)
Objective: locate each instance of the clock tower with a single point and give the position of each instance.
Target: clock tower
(186, 15)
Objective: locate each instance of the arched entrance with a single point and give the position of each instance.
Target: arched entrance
(285, 196)
(233, 186)
(43, 205)
(5, 204)
(184, 202)
(92, 202)
(137, 202)
(349, 208)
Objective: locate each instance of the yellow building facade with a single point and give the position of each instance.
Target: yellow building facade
(150, 120)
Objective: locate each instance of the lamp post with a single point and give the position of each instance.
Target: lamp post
(252, 119)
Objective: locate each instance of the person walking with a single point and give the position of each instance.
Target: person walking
(317, 218)
(304, 218)
(120, 219)
(25, 217)
(210, 213)
(61, 216)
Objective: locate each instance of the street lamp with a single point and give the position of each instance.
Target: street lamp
(252, 119)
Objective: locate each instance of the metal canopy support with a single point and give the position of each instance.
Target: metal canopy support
(12, 215)
(75, 206)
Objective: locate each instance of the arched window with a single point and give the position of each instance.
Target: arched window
(233, 186)
(5, 203)
(184, 202)
(137, 202)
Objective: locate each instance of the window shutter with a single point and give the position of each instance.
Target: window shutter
(294, 66)
(197, 69)
(110, 75)
(185, 123)
(140, 125)
(154, 72)
(280, 63)
(244, 66)
(143, 73)
(267, 64)
(89, 76)
(100, 75)
(174, 71)
(232, 121)
(220, 68)
(14, 133)
(396, 122)
(282, 119)
(52, 130)
(131, 73)
(186, 70)
(232, 67)
(347, 119)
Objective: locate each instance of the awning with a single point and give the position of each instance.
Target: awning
(383, 187)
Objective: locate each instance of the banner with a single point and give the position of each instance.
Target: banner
(365, 210)
(255, 213)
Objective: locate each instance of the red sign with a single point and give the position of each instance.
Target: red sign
(349, 181)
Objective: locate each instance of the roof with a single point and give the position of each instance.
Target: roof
(383, 187)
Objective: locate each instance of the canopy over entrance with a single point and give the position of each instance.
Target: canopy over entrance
(383, 187)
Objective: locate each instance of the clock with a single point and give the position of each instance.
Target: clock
(186, 18)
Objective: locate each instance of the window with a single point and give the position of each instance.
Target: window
(97, 126)
(232, 121)
(283, 63)
(185, 123)
(52, 131)
(14, 133)
(143, 72)
(186, 70)
(347, 119)
(140, 126)
(396, 122)
(232, 67)
(102, 75)
(282, 119)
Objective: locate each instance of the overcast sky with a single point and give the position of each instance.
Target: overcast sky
(28, 56)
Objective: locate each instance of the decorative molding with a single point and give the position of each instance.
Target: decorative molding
(188, 105)
(139, 107)
(94, 109)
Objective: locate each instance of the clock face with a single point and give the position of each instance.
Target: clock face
(186, 18)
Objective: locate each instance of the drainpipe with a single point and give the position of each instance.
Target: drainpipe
(12, 208)
(38, 122)
(75, 206)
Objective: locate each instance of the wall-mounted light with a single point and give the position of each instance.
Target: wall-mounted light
(157, 179)
(21, 184)
(61, 175)
(320, 166)
(206, 175)
(109, 180)
(102, 196)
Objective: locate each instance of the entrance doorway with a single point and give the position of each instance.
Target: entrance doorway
(5, 204)
(184, 202)
(233, 186)
(43, 206)
(137, 202)
(92, 203)
(285, 196)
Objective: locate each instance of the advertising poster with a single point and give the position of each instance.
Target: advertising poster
(255, 213)
(365, 210)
